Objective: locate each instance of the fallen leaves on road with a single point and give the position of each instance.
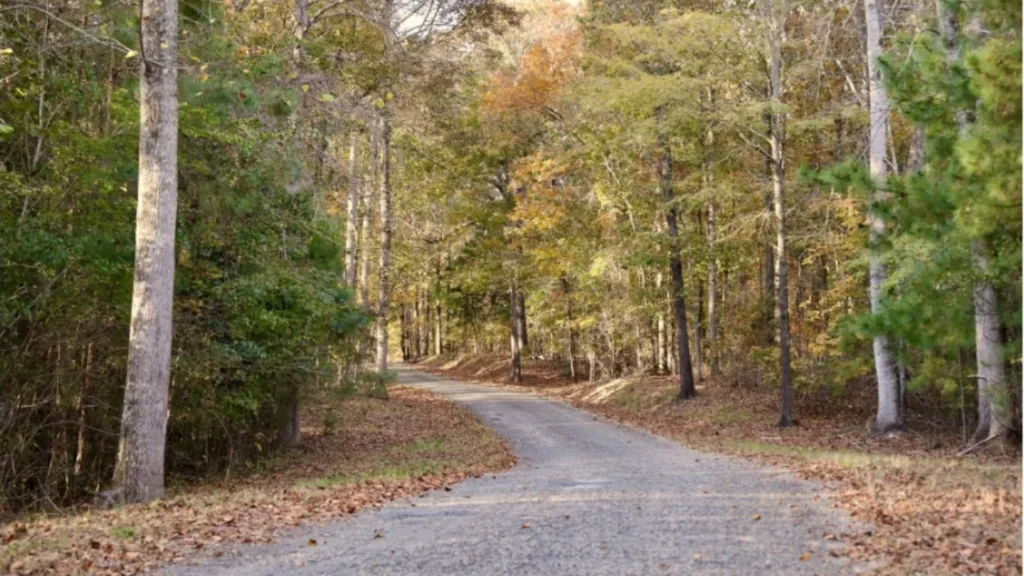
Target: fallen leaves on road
(933, 513)
(384, 450)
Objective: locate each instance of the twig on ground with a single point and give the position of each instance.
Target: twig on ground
(970, 449)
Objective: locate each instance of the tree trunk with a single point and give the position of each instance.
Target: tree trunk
(638, 349)
(993, 393)
(687, 389)
(570, 348)
(352, 213)
(300, 15)
(709, 180)
(767, 288)
(662, 345)
(416, 324)
(522, 321)
(712, 294)
(140, 466)
(775, 34)
(290, 433)
(404, 327)
(83, 405)
(365, 232)
(384, 271)
(698, 337)
(515, 340)
(888, 415)
(438, 340)
(428, 323)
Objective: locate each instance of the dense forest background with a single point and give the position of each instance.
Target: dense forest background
(811, 195)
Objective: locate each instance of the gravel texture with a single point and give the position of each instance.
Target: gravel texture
(588, 497)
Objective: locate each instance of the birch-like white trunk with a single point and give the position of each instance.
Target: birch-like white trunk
(993, 395)
(352, 213)
(888, 414)
(140, 466)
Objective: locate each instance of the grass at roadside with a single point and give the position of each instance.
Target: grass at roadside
(932, 512)
(372, 451)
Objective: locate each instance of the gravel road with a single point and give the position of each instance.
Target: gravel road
(587, 497)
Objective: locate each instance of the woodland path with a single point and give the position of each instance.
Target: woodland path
(588, 497)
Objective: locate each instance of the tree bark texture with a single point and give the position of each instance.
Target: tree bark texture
(888, 414)
(352, 213)
(140, 467)
(384, 271)
(687, 389)
(515, 338)
(775, 36)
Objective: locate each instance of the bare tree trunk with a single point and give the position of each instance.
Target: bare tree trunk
(568, 317)
(768, 283)
(515, 339)
(300, 15)
(673, 343)
(403, 320)
(384, 271)
(709, 179)
(352, 213)
(993, 393)
(698, 348)
(140, 466)
(687, 389)
(888, 415)
(366, 231)
(522, 321)
(428, 323)
(290, 433)
(438, 339)
(83, 404)
(776, 18)
(662, 344)
(638, 349)
(712, 294)
(416, 324)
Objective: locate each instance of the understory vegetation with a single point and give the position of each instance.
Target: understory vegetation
(211, 212)
(755, 194)
(381, 450)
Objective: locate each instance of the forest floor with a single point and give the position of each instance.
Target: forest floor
(372, 451)
(933, 512)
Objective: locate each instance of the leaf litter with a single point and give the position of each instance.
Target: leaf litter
(383, 450)
(931, 511)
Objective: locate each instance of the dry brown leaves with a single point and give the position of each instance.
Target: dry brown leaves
(933, 513)
(376, 456)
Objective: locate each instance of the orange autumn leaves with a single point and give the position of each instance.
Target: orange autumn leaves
(547, 63)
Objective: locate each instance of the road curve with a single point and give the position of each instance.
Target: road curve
(587, 497)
